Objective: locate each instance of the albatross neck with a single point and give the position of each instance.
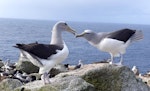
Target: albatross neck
(56, 38)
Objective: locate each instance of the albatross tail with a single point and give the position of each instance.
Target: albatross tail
(137, 36)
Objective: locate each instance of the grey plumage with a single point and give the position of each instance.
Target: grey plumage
(115, 43)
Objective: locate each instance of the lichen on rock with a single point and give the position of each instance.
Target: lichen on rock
(69, 83)
(91, 77)
(9, 84)
(105, 78)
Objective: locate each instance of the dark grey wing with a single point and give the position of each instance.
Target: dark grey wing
(121, 35)
(40, 50)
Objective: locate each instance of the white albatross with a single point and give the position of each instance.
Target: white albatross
(46, 56)
(115, 43)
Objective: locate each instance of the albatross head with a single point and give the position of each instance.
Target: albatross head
(87, 34)
(63, 26)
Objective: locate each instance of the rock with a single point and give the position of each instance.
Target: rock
(9, 84)
(91, 77)
(2, 78)
(107, 77)
(58, 69)
(27, 67)
(72, 83)
(53, 72)
(37, 75)
(69, 83)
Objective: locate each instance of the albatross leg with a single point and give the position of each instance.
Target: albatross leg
(112, 59)
(121, 60)
(45, 78)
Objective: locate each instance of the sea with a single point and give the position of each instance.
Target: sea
(14, 31)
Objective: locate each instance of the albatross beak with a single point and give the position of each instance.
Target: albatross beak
(71, 30)
(80, 35)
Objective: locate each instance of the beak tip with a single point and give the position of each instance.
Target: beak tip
(75, 33)
(77, 36)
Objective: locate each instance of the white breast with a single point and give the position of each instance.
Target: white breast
(61, 54)
(115, 47)
(54, 59)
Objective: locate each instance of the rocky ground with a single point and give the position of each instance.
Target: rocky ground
(90, 77)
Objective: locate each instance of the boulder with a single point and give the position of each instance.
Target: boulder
(107, 77)
(91, 77)
(27, 67)
(72, 83)
(69, 83)
(9, 84)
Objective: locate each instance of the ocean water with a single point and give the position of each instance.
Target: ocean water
(14, 31)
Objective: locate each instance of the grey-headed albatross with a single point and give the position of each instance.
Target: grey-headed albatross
(115, 42)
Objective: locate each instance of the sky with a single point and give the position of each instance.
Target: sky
(109, 11)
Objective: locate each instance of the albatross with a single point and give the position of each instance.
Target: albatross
(115, 42)
(46, 56)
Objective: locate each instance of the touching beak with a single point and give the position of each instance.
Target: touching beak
(71, 30)
(80, 35)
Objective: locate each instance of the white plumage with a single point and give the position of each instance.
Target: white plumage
(115, 43)
(46, 56)
(55, 59)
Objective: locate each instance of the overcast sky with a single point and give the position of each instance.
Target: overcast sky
(114, 11)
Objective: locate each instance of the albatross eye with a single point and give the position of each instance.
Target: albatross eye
(65, 23)
(88, 33)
